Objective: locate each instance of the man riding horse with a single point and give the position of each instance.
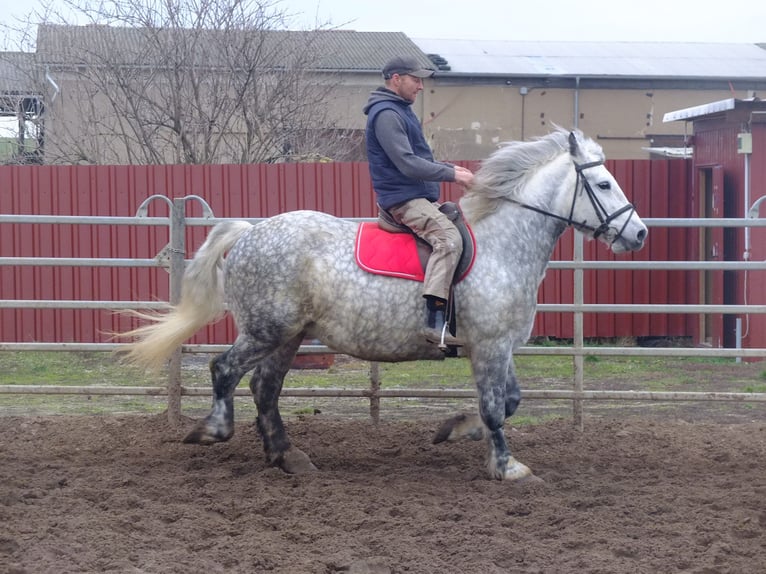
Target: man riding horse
(406, 179)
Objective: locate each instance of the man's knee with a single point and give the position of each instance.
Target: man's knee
(454, 242)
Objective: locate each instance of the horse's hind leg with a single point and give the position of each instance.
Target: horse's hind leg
(226, 370)
(266, 385)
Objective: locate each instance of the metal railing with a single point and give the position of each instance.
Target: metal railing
(172, 257)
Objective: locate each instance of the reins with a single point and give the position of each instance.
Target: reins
(604, 218)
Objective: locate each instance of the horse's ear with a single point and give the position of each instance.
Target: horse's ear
(573, 145)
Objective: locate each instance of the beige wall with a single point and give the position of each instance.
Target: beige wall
(467, 122)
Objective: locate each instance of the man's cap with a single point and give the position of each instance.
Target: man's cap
(405, 65)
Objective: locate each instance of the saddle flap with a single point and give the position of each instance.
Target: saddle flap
(384, 253)
(385, 248)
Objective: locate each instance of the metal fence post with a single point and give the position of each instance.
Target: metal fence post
(578, 343)
(177, 264)
(375, 392)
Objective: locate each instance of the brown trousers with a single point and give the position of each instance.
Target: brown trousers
(431, 225)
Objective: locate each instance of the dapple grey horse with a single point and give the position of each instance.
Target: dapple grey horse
(294, 276)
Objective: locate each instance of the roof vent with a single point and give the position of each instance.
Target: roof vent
(440, 62)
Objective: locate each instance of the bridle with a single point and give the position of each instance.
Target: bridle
(604, 218)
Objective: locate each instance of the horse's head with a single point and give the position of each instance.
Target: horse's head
(561, 176)
(599, 207)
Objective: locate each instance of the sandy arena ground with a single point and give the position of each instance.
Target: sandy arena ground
(629, 495)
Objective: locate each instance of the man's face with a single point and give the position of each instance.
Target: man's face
(406, 86)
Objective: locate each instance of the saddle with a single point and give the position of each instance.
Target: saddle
(388, 248)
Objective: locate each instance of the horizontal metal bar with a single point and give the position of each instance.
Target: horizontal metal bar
(646, 396)
(525, 350)
(562, 350)
(85, 220)
(108, 347)
(703, 222)
(303, 350)
(64, 347)
(649, 221)
(646, 308)
(390, 393)
(209, 221)
(644, 352)
(58, 304)
(119, 220)
(583, 395)
(543, 307)
(555, 264)
(78, 262)
(668, 265)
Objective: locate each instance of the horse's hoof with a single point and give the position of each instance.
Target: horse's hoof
(206, 435)
(459, 427)
(519, 473)
(295, 461)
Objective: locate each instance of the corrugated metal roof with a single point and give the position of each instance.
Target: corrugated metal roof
(626, 59)
(348, 50)
(17, 72)
(712, 108)
(697, 111)
(336, 50)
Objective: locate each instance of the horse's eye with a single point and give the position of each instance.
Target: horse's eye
(605, 185)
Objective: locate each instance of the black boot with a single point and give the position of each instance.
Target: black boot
(437, 330)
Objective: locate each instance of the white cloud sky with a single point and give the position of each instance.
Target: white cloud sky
(547, 20)
(567, 20)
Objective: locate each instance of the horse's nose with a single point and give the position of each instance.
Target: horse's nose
(641, 237)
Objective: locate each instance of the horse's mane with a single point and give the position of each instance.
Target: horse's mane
(505, 173)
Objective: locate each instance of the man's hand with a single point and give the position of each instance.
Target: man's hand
(463, 176)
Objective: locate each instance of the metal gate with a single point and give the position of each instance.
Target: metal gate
(173, 258)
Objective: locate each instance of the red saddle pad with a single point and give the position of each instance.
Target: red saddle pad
(383, 253)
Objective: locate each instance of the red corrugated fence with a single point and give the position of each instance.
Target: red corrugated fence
(658, 188)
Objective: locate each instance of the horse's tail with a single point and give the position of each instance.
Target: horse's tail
(201, 301)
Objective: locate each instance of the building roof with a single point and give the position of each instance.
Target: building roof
(359, 52)
(331, 50)
(600, 59)
(713, 108)
(17, 72)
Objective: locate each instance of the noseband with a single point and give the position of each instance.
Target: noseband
(603, 217)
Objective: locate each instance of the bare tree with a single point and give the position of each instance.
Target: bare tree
(179, 81)
(21, 110)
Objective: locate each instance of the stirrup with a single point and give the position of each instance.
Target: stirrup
(442, 338)
(442, 345)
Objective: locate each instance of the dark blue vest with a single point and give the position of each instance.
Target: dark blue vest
(391, 185)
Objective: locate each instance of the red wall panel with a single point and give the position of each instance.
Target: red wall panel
(657, 189)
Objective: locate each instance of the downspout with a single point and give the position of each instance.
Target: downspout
(523, 90)
(746, 255)
(576, 122)
(750, 211)
(53, 83)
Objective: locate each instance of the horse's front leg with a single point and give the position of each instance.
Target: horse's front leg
(465, 426)
(500, 464)
(499, 397)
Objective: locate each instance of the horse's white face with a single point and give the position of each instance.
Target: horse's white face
(600, 209)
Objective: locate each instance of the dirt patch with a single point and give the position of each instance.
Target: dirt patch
(627, 495)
